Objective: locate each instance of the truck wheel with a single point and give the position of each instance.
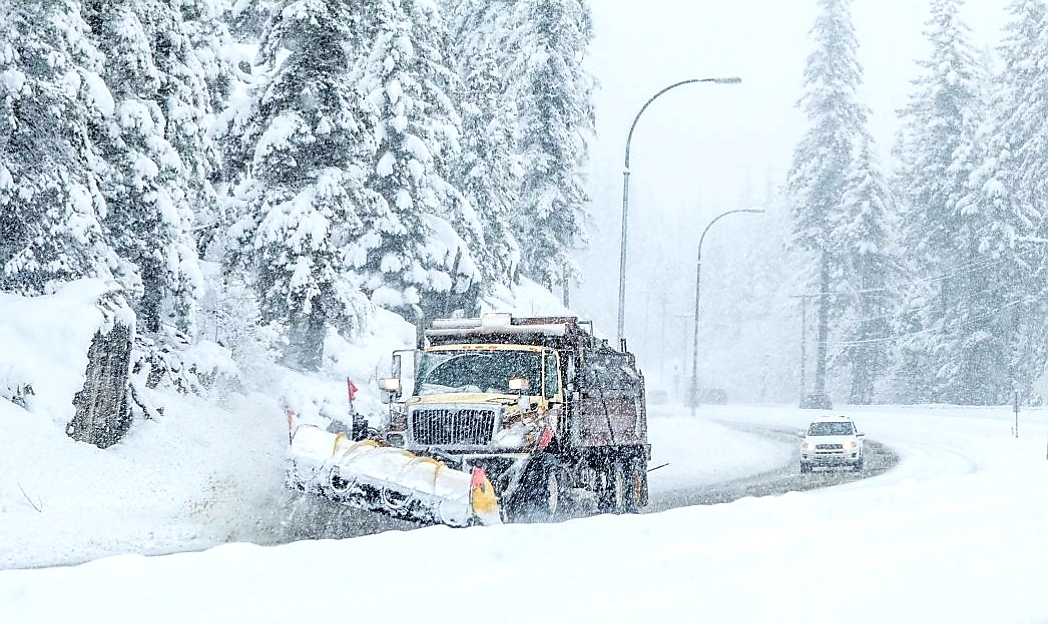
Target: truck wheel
(551, 501)
(614, 486)
(540, 498)
(637, 487)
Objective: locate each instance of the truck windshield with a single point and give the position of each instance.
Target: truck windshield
(444, 372)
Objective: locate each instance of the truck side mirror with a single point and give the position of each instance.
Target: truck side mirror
(521, 386)
(391, 390)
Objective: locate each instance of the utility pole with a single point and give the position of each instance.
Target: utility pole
(1016, 407)
(817, 399)
(685, 321)
(804, 341)
(662, 343)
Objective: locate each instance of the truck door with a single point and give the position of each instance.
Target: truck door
(553, 391)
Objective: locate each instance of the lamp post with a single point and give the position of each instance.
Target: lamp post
(698, 275)
(626, 190)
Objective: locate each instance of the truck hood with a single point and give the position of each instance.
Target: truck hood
(509, 402)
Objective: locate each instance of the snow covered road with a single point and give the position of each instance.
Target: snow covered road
(956, 532)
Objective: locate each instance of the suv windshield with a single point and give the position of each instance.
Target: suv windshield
(445, 372)
(830, 429)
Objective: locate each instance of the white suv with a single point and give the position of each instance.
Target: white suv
(832, 441)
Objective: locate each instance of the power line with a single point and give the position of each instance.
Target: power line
(972, 267)
(991, 314)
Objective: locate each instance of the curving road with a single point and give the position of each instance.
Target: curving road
(782, 479)
(761, 459)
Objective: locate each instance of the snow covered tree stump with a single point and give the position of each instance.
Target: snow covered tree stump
(103, 415)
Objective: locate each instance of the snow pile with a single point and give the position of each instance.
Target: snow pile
(939, 541)
(364, 361)
(700, 452)
(44, 341)
(525, 299)
(208, 471)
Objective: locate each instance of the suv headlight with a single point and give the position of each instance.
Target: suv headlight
(850, 444)
(809, 446)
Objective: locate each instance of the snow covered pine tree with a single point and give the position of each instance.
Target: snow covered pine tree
(553, 94)
(418, 239)
(940, 233)
(307, 137)
(818, 176)
(50, 204)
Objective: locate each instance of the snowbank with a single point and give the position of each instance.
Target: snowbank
(44, 345)
(954, 533)
(209, 471)
(966, 547)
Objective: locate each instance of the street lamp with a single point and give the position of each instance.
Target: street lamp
(626, 190)
(698, 275)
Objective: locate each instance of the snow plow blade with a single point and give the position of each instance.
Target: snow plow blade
(371, 475)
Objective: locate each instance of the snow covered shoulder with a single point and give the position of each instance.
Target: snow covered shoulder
(940, 541)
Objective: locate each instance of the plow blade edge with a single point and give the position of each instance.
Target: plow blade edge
(385, 479)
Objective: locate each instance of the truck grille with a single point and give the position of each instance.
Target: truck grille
(829, 447)
(452, 427)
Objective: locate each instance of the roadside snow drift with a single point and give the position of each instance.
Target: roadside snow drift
(956, 533)
(44, 343)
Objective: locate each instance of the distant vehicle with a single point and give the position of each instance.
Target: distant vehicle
(658, 397)
(816, 400)
(832, 441)
(716, 396)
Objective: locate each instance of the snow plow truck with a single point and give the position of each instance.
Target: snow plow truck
(500, 419)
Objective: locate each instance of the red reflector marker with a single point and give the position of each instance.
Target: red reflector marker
(477, 477)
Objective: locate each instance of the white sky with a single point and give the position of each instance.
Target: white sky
(697, 148)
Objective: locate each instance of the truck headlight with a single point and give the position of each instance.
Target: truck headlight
(808, 446)
(850, 444)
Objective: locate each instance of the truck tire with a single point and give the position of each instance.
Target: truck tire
(541, 496)
(637, 486)
(550, 495)
(612, 497)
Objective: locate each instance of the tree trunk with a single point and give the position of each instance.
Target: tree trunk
(862, 354)
(824, 324)
(306, 334)
(152, 296)
(102, 413)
